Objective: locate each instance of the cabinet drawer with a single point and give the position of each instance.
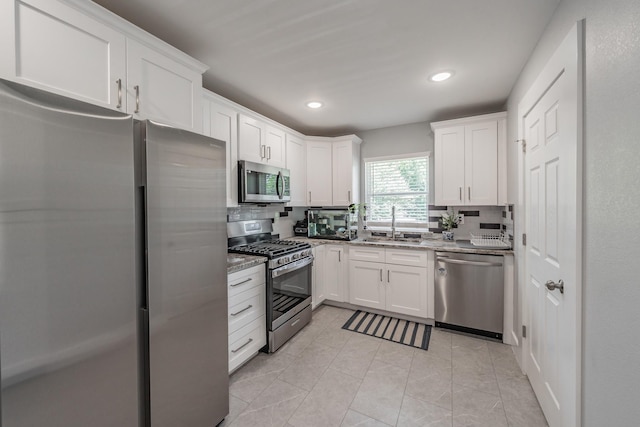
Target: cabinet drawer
(363, 253)
(415, 258)
(246, 307)
(246, 279)
(247, 341)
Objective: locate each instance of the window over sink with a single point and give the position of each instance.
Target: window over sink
(400, 181)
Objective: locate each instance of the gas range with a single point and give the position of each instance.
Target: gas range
(288, 281)
(279, 252)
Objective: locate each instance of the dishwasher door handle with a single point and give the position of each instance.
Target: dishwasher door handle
(465, 262)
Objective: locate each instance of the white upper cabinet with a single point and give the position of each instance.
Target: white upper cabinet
(470, 161)
(80, 50)
(333, 171)
(346, 171)
(162, 89)
(319, 176)
(54, 47)
(275, 146)
(296, 161)
(219, 122)
(259, 142)
(251, 139)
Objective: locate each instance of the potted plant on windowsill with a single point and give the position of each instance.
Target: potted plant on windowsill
(449, 221)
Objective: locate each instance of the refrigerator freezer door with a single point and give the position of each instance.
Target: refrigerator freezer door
(187, 277)
(68, 349)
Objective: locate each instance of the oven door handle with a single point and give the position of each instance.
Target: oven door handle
(289, 268)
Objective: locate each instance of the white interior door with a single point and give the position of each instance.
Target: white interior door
(552, 221)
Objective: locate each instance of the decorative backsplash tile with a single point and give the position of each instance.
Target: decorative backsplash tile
(477, 219)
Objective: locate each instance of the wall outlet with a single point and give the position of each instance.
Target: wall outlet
(460, 219)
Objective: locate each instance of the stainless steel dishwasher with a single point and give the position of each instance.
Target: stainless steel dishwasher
(470, 293)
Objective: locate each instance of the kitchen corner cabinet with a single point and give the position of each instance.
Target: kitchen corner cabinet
(317, 276)
(79, 50)
(341, 156)
(394, 280)
(470, 161)
(336, 273)
(219, 122)
(259, 142)
(296, 160)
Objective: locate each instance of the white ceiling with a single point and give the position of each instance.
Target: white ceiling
(367, 60)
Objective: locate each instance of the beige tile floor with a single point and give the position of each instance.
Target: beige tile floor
(326, 376)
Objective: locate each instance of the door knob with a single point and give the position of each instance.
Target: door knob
(551, 285)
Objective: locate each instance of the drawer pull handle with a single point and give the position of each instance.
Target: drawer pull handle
(243, 310)
(294, 323)
(240, 283)
(242, 346)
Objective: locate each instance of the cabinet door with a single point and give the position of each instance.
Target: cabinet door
(407, 290)
(342, 164)
(319, 175)
(56, 48)
(334, 273)
(220, 123)
(251, 139)
(366, 286)
(317, 276)
(275, 147)
(449, 166)
(162, 89)
(481, 163)
(296, 156)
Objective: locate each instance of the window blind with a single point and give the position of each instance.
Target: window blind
(403, 183)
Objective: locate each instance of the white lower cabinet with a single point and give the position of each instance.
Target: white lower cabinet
(317, 277)
(246, 315)
(336, 273)
(389, 285)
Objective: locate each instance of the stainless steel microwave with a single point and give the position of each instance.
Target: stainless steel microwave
(258, 183)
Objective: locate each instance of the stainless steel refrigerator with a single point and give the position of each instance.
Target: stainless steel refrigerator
(113, 300)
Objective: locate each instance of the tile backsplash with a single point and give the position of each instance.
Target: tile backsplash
(283, 217)
(477, 219)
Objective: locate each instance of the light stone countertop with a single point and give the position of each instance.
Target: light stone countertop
(239, 262)
(435, 244)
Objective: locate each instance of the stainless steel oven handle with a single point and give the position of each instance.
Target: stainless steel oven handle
(289, 268)
(460, 261)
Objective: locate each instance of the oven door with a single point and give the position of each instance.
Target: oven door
(289, 291)
(262, 183)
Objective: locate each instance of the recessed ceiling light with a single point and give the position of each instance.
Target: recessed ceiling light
(442, 76)
(314, 104)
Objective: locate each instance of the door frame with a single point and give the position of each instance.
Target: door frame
(570, 54)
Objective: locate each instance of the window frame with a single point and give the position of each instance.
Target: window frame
(386, 225)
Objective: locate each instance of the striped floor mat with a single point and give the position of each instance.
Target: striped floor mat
(389, 328)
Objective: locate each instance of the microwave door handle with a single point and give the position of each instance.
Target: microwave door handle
(278, 181)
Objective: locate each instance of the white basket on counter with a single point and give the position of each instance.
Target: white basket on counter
(490, 240)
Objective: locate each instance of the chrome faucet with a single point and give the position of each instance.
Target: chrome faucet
(393, 222)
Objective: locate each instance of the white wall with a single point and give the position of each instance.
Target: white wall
(611, 289)
(395, 140)
(612, 246)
